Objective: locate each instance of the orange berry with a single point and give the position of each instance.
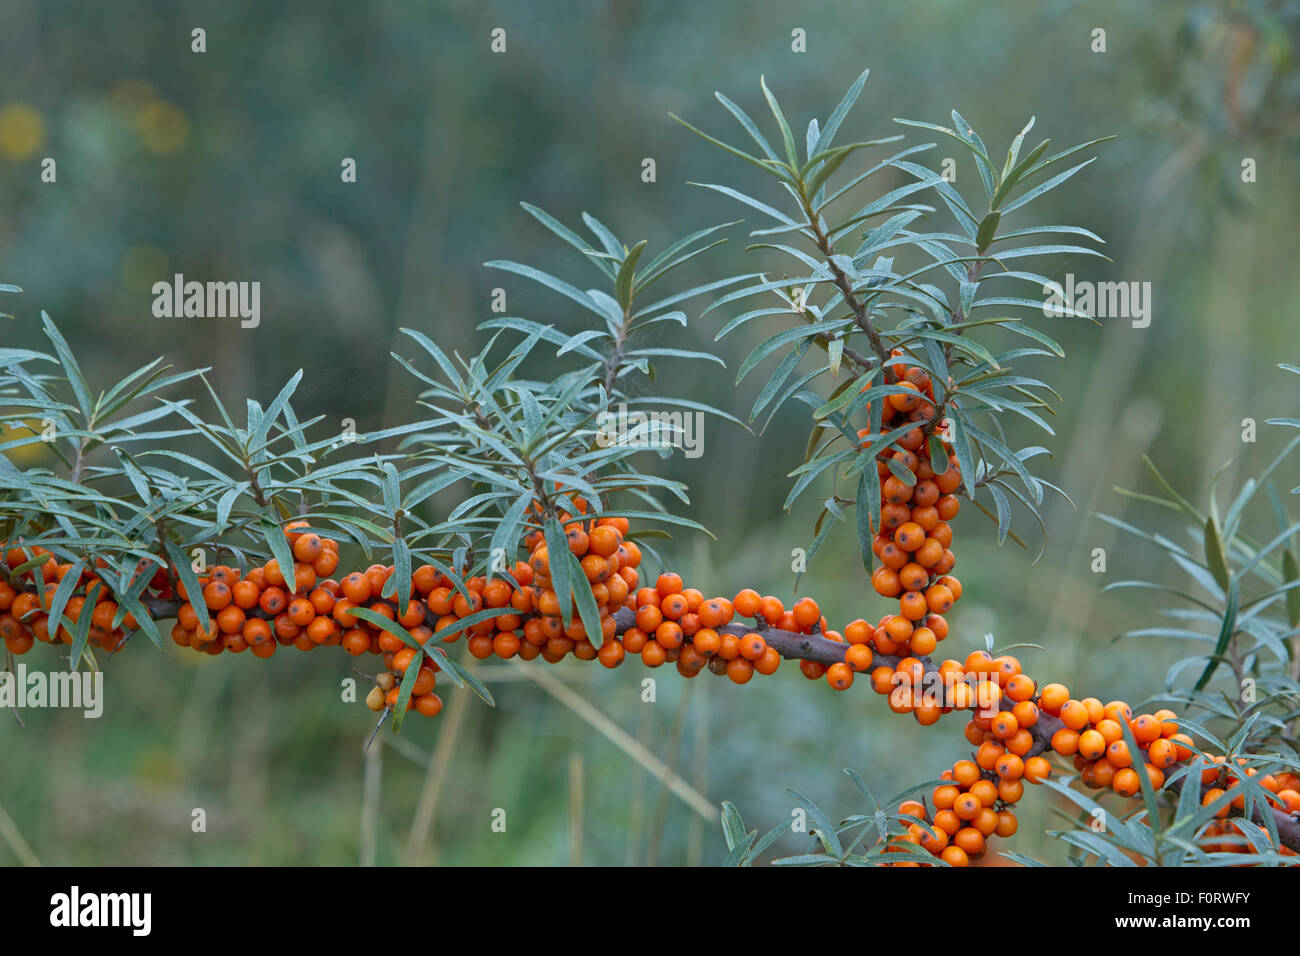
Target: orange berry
(308, 547)
(885, 582)
(1074, 714)
(1162, 753)
(943, 797)
(923, 641)
(1037, 769)
(1118, 754)
(912, 606)
(938, 598)
(771, 608)
(356, 641)
(740, 670)
(244, 594)
(1110, 730)
(1020, 687)
(230, 619)
(913, 577)
(1118, 710)
(1092, 744)
(1026, 713)
(806, 612)
(653, 654)
(668, 583)
(595, 568)
(988, 754)
(428, 705)
(979, 662)
(505, 645)
(1007, 824)
(909, 536)
(1052, 697)
(217, 595)
(301, 612)
(1126, 782)
(965, 773)
(814, 671)
(986, 791)
(747, 602)
(752, 647)
(858, 657)
(715, 612)
(355, 587)
(966, 806)
(669, 635)
(1020, 743)
(1096, 712)
(674, 606)
(1066, 742)
(839, 676)
(1005, 724)
(769, 662)
(1010, 767)
(322, 630)
(604, 540)
(611, 653)
(954, 856)
(1146, 729)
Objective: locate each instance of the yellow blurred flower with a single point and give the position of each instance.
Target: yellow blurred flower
(22, 130)
(157, 770)
(23, 455)
(163, 126)
(130, 95)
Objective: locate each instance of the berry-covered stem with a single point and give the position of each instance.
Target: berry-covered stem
(1015, 727)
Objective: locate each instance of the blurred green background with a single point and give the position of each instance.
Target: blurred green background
(226, 164)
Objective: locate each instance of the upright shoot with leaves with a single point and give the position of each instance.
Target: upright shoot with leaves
(874, 291)
(538, 451)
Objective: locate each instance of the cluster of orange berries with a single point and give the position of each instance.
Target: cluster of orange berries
(1284, 790)
(1093, 737)
(23, 617)
(914, 541)
(266, 608)
(258, 611)
(609, 566)
(263, 609)
(974, 803)
(668, 623)
(914, 547)
(679, 624)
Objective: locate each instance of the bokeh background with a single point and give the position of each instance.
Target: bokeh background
(226, 165)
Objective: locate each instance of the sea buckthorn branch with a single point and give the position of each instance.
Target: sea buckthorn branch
(1287, 822)
(813, 647)
(897, 675)
(583, 567)
(851, 256)
(842, 282)
(1015, 724)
